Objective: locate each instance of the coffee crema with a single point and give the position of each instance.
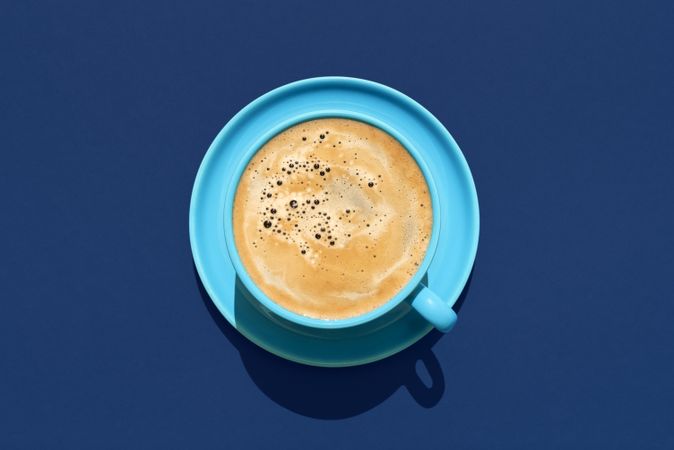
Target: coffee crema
(332, 218)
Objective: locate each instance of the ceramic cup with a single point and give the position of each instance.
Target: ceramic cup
(434, 309)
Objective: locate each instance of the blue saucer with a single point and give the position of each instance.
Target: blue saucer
(402, 326)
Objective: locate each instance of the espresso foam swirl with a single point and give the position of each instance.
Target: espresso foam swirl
(331, 218)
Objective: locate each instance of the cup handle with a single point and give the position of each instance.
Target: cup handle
(434, 309)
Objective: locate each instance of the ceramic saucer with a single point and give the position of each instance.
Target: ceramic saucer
(448, 271)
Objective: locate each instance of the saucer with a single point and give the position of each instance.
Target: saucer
(449, 269)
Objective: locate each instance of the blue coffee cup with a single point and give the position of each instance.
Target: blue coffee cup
(432, 307)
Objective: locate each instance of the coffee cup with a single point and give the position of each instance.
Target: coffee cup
(427, 303)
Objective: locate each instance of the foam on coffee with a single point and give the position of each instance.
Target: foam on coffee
(332, 217)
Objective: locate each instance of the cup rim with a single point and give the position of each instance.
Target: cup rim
(240, 269)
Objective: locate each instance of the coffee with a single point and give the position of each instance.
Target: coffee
(332, 217)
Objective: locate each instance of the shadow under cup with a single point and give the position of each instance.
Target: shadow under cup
(437, 311)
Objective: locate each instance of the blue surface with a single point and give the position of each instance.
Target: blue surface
(390, 328)
(564, 111)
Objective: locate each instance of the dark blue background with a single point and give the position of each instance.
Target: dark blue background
(565, 112)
